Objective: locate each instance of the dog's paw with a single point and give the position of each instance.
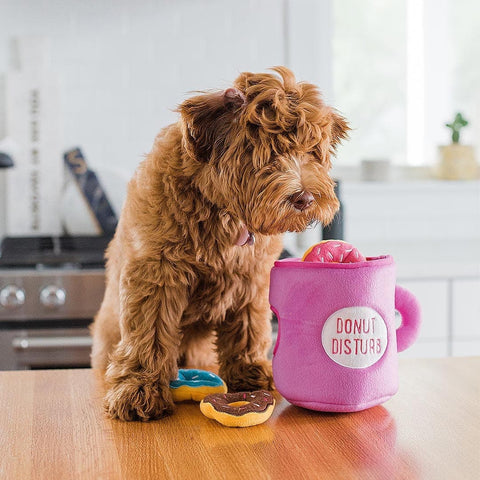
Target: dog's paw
(248, 376)
(131, 400)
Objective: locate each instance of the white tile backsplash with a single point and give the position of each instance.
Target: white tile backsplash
(126, 65)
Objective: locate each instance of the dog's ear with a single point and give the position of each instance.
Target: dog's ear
(233, 98)
(339, 129)
(207, 119)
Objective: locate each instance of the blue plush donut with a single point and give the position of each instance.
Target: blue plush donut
(193, 384)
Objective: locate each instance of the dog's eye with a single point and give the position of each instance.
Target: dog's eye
(271, 167)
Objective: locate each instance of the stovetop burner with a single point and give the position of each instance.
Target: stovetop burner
(53, 252)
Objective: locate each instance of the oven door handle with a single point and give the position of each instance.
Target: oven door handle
(39, 343)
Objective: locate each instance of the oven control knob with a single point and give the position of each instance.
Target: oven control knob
(52, 296)
(12, 296)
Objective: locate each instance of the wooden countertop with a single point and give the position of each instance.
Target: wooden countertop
(53, 427)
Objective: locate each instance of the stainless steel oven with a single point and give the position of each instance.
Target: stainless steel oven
(48, 298)
(31, 348)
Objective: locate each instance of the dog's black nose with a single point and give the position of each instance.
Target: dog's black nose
(302, 200)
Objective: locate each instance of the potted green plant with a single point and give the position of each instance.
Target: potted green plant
(457, 161)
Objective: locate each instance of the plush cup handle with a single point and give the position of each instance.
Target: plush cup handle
(409, 308)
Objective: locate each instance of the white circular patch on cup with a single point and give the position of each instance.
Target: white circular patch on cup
(355, 337)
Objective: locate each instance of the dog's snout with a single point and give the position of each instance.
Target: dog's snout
(302, 200)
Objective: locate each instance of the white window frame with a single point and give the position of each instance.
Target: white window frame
(429, 79)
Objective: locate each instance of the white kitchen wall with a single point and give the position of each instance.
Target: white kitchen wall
(125, 65)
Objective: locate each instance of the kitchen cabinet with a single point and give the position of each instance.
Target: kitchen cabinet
(465, 317)
(432, 229)
(433, 297)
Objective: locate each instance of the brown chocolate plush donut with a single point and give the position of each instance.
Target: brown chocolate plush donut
(241, 409)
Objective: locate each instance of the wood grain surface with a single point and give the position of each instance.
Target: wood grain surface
(53, 427)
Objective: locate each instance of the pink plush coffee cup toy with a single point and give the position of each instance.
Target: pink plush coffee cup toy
(337, 345)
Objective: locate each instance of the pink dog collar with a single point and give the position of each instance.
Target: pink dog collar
(245, 238)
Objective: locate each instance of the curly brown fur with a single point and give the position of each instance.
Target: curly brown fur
(179, 289)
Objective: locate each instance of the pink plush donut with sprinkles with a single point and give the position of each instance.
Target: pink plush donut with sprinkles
(333, 251)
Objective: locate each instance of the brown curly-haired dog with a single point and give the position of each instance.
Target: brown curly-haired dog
(188, 268)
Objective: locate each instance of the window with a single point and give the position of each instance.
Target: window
(465, 37)
(402, 69)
